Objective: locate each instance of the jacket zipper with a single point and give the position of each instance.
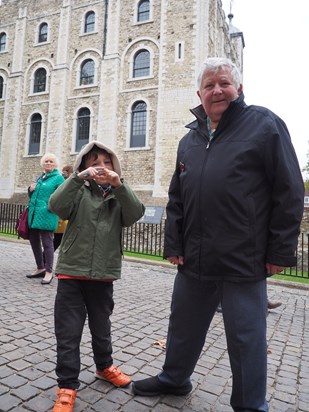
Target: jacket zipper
(201, 212)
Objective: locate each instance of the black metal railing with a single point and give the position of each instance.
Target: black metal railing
(148, 239)
(144, 238)
(9, 214)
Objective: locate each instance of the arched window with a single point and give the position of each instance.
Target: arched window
(1, 87)
(141, 64)
(83, 128)
(43, 32)
(35, 134)
(39, 84)
(87, 72)
(2, 42)
(138, 124)
(143, 10)
(89, 22)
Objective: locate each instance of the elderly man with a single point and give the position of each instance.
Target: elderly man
(233, 216)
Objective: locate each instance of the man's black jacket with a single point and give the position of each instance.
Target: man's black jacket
(235, 203)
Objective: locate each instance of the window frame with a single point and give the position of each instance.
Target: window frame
(93, 23)
(179, 51)
(3, 44)
(77, 128)
(93, 75)
(31, 130)
(135, 117)
(140, 13)
(135, 56)
(2, 87)
(40, 34)
(37, 84)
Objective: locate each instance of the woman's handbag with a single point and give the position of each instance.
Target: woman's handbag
(62, 224)
(22, 227)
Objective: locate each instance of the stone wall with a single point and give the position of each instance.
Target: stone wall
(193, 29)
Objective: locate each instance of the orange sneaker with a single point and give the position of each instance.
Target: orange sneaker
(114, 376)
(65, 400)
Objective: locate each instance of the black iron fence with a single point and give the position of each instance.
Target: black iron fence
(9, 214)
(148, 239)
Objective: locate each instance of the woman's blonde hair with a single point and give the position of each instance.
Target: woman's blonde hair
(49, 156)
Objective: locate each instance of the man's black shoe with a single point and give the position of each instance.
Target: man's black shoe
(219, 308)
(154, 387)
(273, 305)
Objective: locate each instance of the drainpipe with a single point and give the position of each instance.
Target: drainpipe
(105, 27)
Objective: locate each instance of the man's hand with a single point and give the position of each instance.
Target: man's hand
(176, 260)
(274, 269)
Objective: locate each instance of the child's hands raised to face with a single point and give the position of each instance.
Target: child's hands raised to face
(101, 175)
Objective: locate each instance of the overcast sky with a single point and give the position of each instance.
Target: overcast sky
(276, 61)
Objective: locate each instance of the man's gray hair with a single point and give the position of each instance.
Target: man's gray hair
(212, 64)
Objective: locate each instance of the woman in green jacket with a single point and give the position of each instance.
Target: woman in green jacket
(97, 202)
(42, 222)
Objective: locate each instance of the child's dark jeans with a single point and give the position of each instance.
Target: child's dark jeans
(74, 300)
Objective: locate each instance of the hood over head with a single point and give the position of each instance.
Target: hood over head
(88, 147)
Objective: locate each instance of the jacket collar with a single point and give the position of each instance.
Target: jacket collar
(200, 114)
(52, 173)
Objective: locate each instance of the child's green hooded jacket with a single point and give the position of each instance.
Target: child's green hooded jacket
(91, 244)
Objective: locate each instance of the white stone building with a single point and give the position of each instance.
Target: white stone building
(119, 71)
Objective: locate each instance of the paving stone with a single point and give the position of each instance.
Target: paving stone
(20, 364)
(5, 371)
(14, 381)
(134, 406)
(45, 366)
(31, 373)
(87, 376)
(277, 405)
(105, 405)
(82, 406)
(39, 403)
(7, 347)
(101, 386)
(164, 408)
(118, 396)
(25, 392)
(89, 395)
(4, 389)
(3, 361)
(8, 401)
(5, 339)
(87, 361)
(43, 383)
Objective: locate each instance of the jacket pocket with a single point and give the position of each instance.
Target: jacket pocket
(69, 241)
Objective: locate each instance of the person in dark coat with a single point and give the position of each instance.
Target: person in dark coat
(233, 219)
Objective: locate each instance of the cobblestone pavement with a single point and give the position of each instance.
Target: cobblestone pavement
(142, 300)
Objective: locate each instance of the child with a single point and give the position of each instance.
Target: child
(97, 203)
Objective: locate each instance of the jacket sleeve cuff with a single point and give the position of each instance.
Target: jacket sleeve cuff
(279, 260)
